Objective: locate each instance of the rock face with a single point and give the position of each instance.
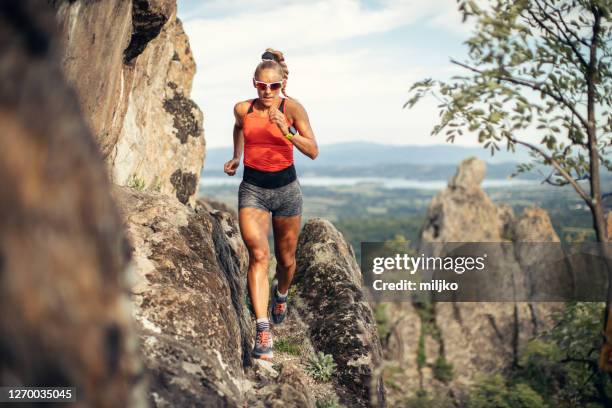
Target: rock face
(340, 318)
(73, 246)
(188, 280)
(65, 319)
(188, 287)
(469, 337)
(134, 82)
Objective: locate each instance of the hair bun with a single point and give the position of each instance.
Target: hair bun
(269, 56)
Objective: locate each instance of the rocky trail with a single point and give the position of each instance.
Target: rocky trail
(115, 278)
(289, 369)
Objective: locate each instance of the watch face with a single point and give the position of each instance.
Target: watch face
(292, 130)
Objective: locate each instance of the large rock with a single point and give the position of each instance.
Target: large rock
(470, 337)
(469, 175)
(189, 289)
(340, 318)
(134, 82)
(289, 390)
(461, 211)
(65, 319)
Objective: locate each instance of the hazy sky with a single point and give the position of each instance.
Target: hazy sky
(351, 62)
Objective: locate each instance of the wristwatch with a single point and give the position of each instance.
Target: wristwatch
(292, 132)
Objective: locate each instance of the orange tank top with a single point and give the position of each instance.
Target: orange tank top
(265, 147)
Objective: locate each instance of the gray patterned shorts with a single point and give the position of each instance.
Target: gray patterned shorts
(285, 201)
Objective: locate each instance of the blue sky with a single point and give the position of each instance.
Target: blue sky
(351, 62)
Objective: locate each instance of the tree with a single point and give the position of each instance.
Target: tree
(540, 66)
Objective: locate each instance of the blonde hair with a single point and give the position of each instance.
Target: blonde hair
(278, 63)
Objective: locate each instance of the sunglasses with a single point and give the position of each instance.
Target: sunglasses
(262, 86)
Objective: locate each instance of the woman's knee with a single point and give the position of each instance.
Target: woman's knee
(259, 255)
(286, 262)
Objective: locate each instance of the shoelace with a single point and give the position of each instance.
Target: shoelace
(279, 308)
(263, 338)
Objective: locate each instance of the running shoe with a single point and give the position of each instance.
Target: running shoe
(263, 345)
(279, 306)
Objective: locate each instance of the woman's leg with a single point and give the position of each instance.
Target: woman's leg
(254, 227)
(286, 232)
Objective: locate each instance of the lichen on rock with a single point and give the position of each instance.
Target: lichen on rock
(184, 121)
(185, 184)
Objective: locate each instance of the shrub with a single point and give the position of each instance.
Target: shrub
(382, 321)
(442, 370)
(492, 391)
(135, 182)
(321, 366)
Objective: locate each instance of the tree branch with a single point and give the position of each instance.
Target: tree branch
(565, 40)
(531, 85)
(558, 167)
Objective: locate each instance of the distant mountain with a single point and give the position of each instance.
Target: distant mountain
(362, 159)
(365, 154)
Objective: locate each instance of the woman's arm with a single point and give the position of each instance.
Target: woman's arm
(231, 165)
(305, 141)
(238, 135)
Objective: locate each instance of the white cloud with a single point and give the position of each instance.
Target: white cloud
(350, 91)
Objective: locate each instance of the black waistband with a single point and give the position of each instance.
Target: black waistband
(269, 179)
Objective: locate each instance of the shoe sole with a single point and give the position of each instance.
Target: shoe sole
(265, 356)
(277, 322)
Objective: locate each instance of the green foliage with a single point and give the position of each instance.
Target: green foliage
(424, 400)
(379, 229)
(577, 329)
(561, 364)
(493, 391)
(557, 369)
(290, 345)
(135, 182)
(577, 235)
(328, 401)
(421, 357)
(382, 321)
(539, 367)
(427, 313)
(530, 65)
(321, 366)
(442, 370)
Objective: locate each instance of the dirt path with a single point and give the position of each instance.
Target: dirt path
(292, 351)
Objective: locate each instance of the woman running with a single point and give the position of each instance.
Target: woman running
(267, 128)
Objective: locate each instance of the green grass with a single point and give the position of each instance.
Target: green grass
(290, 345)
(135, 182)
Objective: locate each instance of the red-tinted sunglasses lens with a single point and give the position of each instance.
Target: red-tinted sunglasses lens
(262, 86)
